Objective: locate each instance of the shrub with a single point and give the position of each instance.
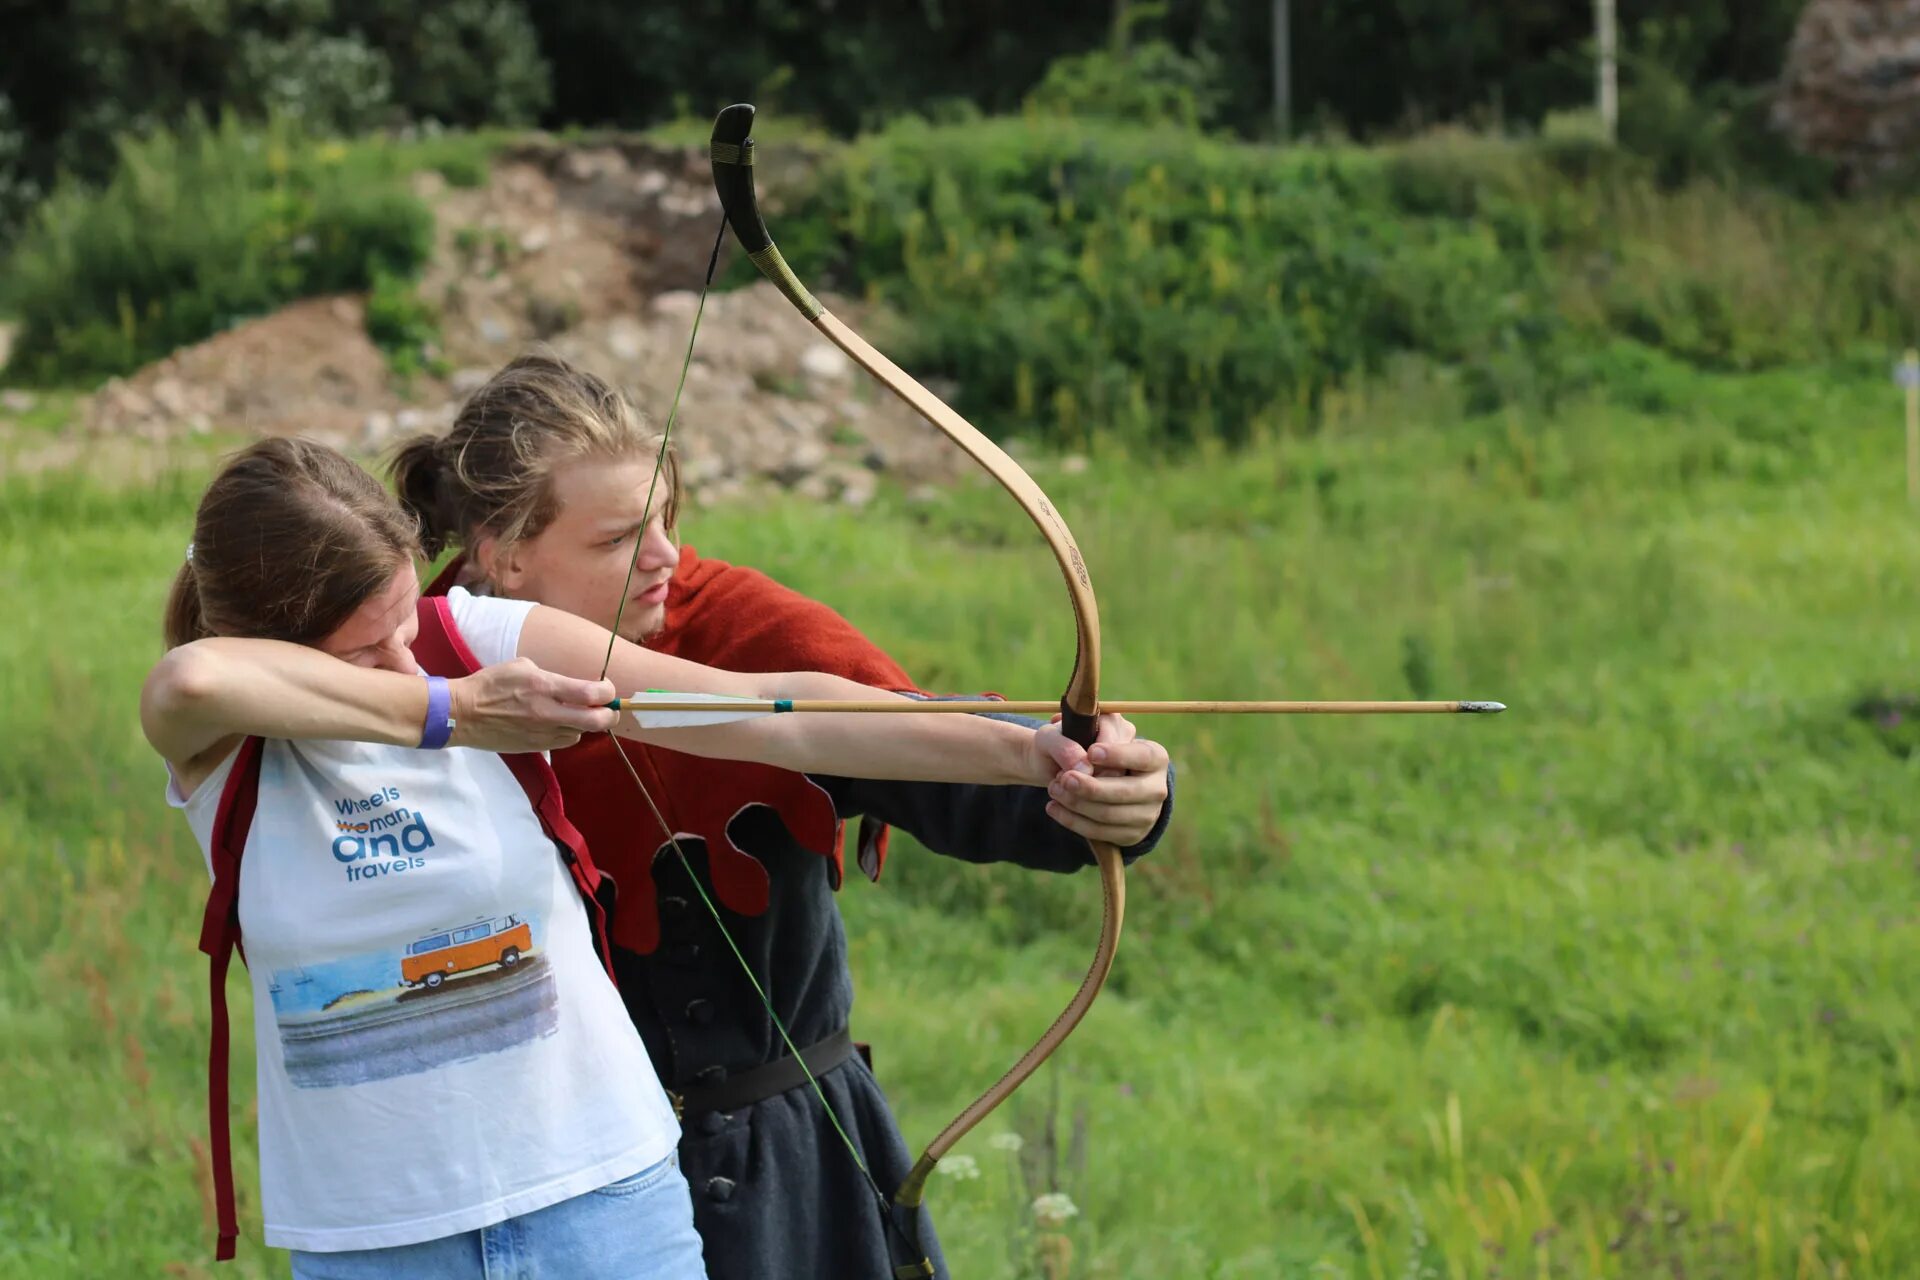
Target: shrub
(1160, 284)
(195, 230)
(1090, 276)
(401, 323)
(1149, 83)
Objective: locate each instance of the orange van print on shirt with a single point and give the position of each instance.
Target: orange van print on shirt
(439, 956)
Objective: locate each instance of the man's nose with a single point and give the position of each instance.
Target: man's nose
(657, 548)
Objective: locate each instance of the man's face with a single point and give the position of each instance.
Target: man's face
(579, 562)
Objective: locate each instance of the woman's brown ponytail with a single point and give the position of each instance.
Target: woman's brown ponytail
(493, 472)
(420, 476)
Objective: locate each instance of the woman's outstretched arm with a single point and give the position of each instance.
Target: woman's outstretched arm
(201, 698)
(910, 748)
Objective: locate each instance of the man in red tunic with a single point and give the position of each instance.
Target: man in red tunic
(776, 1193)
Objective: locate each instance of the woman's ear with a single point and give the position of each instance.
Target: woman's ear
(498, 563)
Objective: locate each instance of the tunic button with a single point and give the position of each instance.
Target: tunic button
(711, 1076)
(713, 1122)
(700, 1012)
(685, 954)
(720, 1190)
(672, 906)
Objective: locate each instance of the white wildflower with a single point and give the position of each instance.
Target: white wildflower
(959, 1168)
(1006, 1142)
(1053, 1209)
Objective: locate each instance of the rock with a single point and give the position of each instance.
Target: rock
(702, 470)
(874, 459)
(824, 363)
(584, 166)
(199, 425)
(18, 401)
(857, 487)
(1073, 464)
(801, 418)
(725, 489)
(128, 404)
(677, 304)
(626, 340)
(494, 332)
(375, 432)
(688, 204)
(170, 396)
(802, 461)
(410, 420)
(651, 182)
(535, 239)
(467, 381)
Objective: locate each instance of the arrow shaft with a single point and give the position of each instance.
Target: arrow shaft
(973, 706)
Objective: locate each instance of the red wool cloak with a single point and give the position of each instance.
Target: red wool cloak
(738, 619)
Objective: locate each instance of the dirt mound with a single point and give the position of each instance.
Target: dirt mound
(595, 251)
(308, 369)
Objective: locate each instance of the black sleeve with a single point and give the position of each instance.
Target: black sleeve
(979, 823)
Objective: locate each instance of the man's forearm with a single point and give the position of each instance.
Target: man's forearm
(981, 823)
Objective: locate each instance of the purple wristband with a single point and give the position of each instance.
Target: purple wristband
(439, 726)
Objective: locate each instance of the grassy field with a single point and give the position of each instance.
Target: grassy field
(1613, 985)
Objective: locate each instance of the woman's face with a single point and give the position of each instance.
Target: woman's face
(579, 561)
(380, 632)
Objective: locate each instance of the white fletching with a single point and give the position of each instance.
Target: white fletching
(656, 709)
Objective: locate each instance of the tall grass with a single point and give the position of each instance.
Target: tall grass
(1611, 986)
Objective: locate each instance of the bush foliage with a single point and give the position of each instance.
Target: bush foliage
(194, 231)
(1159, 283)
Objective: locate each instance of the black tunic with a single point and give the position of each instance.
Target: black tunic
(775, 1192)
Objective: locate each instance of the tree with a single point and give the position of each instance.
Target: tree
(1850, 91)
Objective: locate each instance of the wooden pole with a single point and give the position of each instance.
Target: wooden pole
(1282, 72)
(1910, 377)
(1607, 88)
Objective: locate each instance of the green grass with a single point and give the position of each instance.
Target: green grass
(1613, 985)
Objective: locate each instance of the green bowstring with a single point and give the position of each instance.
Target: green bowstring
(646, 516)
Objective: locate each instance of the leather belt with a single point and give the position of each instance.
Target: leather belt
(767, 1080)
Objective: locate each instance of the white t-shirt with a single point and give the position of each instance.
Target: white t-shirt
(439, 1046)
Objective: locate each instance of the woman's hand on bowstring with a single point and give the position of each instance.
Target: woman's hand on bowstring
(518, 706)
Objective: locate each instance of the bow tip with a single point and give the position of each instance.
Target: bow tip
(734, 123)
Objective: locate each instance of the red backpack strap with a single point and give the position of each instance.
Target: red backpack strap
(219, 936)
(440, 650)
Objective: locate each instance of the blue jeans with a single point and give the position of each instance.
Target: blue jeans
(639, 1228)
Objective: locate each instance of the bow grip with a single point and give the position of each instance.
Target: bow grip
(1078, 725)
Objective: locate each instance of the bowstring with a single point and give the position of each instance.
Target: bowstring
(619, 748)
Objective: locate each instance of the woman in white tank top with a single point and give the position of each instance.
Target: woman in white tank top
(447, 1084)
